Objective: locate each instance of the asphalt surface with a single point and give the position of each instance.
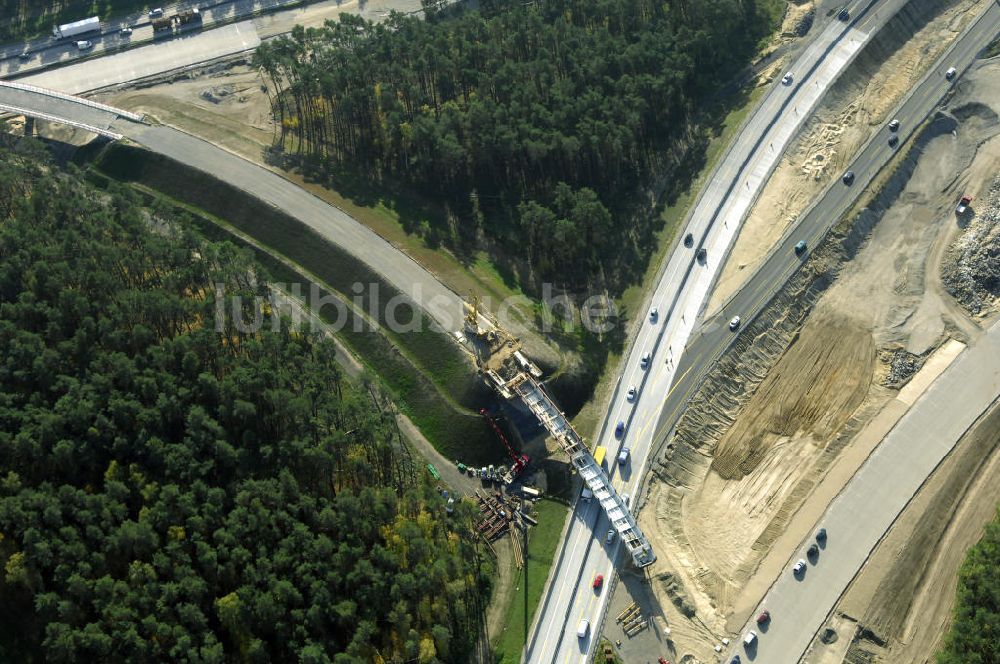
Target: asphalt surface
(122, 63)
(679, 296)
(442, 304)
(859, 517)
(48, 51)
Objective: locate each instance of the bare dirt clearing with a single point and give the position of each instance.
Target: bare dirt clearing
(856, 106)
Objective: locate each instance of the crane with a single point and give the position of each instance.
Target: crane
(520, 460)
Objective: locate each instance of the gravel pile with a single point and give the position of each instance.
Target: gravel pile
(971, 269)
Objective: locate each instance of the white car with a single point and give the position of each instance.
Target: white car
(787, 79)
(84, 44)
(644, 362)
(734, 323)
(582, 629)
(800, 567)
(654, 313)
(630, 395)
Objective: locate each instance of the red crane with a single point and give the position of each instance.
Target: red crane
(520, 460)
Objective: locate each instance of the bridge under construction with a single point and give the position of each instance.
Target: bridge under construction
(508, 371)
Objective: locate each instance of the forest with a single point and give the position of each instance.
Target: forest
(974, 636)
(540, 129)
(174, 489)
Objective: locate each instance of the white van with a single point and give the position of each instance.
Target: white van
(583, 629)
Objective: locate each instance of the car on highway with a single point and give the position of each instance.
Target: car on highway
(598, 581)
(764, 617)
(800, 567)
(848, 178)
(734, 323)
(893, 141)
(688, 240)
(813, 551)
(84, 44)
(583, 629)
(619, 429)
(611, 536)
(126, 31)
(750, 639)
(702, 254)
(787, 79)
(630, 395)
(623, 456)
(800, 247)
(821, 535)
(654, 313)
(625, 499)
(844, 15)
(156, 13)
(735, 660)
(950, 74)
(24, 56)
(894, 125)
(644, 362)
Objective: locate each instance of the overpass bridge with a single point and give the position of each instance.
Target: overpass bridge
(51, 105)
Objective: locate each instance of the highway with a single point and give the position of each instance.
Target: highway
(679, 296)
(865, 509)
(122, 63)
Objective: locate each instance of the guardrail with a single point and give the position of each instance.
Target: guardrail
(46, 116)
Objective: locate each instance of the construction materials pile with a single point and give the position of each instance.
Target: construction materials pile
(971, 268)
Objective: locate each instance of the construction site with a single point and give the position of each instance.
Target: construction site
(901, 287)
(897, 291)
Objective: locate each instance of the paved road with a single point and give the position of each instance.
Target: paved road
(711, 340)
(859, 517)
(679, 296)
(442, 304)
(157, 57)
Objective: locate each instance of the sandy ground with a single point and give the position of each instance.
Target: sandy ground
(855, 107)
(730, 513)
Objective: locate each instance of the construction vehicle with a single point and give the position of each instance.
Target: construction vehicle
(963, 204)
(520, 460)
(185, 17)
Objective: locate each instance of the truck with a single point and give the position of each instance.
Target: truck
(162, 24)
(76, 28)
(963, 204)
(185, 17)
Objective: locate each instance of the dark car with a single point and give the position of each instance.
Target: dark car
(688, 240)
(813, 551)
(844, 15)
(619, 429)
(702, 254)
(821, 535)
(24, 57)
(849, 178)
(800, 247)
(893, 141)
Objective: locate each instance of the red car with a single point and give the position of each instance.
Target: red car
(662, 661)
(598, 581)
(764, 617)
